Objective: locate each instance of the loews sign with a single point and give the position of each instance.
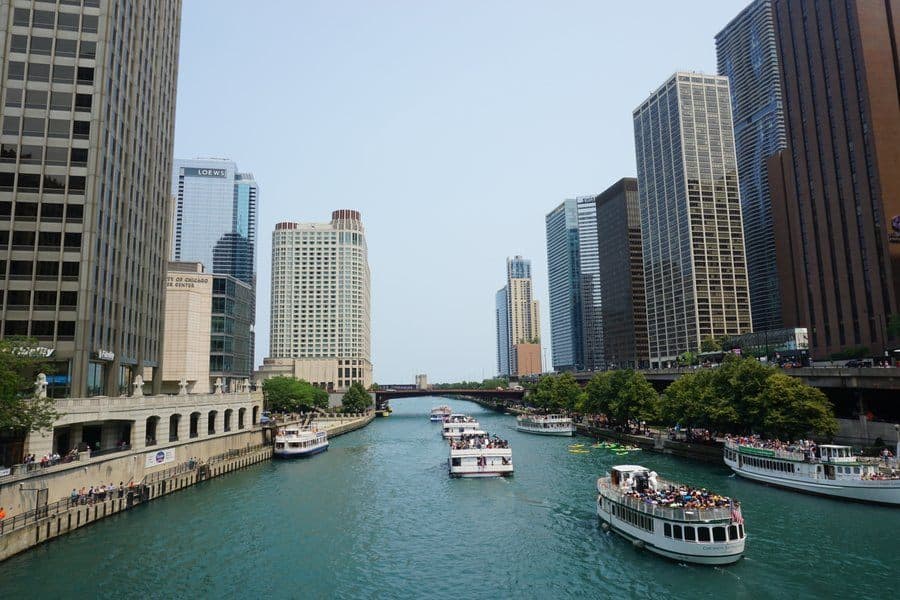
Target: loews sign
(194, 172)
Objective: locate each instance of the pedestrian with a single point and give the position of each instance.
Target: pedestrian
(121, 489)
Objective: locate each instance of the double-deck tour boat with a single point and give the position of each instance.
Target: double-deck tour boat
(440, 413)
(457, 425)
(546, 424)
(825, 469)
(296, 442)
(670, 519)
(479, 455)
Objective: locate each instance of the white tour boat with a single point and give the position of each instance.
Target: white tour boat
(546, 424)
(294, 441)
(440, 413)
(826, 469)
(670, 519)
(457, 425)
(479, 455)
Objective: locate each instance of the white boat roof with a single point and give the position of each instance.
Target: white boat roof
(629, 468)
(833, 446)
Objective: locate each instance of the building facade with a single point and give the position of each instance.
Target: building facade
(621, 276)
(564, 278)
(695, 271)
(215, 217)
(88, 112)
(591, 293)
(232, 339)
(836, 186)
(748, 56)
(519, 322)
(187, 328)
(320, 323)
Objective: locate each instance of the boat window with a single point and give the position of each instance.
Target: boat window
(741, 529)
(703, 534)
(677, 532)
(856, 470)
(689, 533)
(733, 532)
(718, 534)
(455, 462)
(667, 530)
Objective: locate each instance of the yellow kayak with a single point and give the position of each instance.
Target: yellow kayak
(579, 451)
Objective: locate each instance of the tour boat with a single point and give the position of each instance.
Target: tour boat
(458, 425)
(670, 519)
(439, 413)
(294, 441)
(479, 455)
(826, 469)
(546, 424)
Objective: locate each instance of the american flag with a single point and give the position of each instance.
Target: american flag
(736, 515)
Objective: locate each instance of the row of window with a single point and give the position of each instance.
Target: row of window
(46, 184)
(49, 211)
(43, 46)
(41, 72)
(45, 239)
(629, 515)
(52, 128)
(65, 21)
(40, 329)
(46, 270)
(36, 155)
(771, 465)
(691, 533)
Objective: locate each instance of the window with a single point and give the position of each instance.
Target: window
(45, 298)
(74, 213)
(11, 125)
(676, 532)
(20, 269)
(38, 72)
(28, 182)
(689, 534)
(57, 156)
(83, 101)
(89, 23)
(32, 126)
(16, 70)
(733, 532)
(47, 270)
(41, 45)
(85, 75)
(63, 74)
(35, 99)
(703, 534)
(13, 97)
(49, 239)
(70, 270)
(30, 155)
(718, 534)
(79, 156)
(43, 19)
(667, 530)
(21, 16)
(61, 101)
(72, 240)
(18, 43)
(81, 129)
(54, 184)
(76, 184)
(67, 21)
(58, 128)
(65, 48)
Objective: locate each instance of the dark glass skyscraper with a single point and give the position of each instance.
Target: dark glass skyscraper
(563, 271)
(88, 113)
(747, 55)
(589, 276)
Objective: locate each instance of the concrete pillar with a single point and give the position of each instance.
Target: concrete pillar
(76, 435)
(162, 430)
(39, 443)
(138, 434)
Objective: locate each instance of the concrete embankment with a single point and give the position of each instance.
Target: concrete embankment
(25, 529)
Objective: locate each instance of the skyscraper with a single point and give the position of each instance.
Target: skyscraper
(623, 313)
(518, 325)
(320, 322)
(85, 167)
(747, 55)
(215, 217)
(836, 186)
(589, 276)
(695, 272)
(563, 271)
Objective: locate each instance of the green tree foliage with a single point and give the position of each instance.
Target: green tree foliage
(286, 394)
(557, 393)
(21, 359)
(745, 396)
(710, 344)
(621, 395)
(688, 359)
(356, 399)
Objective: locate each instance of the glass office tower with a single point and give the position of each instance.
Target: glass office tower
(563, 272)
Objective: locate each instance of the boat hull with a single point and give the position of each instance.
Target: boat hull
(436, 419)
(558, 432)
(468, 475)
(882, 493)
(301, 453)
(700, 559)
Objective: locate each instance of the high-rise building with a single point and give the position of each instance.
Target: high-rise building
(320, 322)
(88, 112)
(215, 217)
(695, 272)
(748, 56)
(589, 275)
(502, 318)
(563, 274)
(836, 186)
(623, 312)
(518, 324)
(215, 224)
(187, 329)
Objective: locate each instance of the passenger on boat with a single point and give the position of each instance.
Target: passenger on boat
(682, 497)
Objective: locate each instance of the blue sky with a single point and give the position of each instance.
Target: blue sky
(453, 126)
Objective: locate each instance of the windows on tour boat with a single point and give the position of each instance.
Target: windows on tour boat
(632, 516)
(690, 533)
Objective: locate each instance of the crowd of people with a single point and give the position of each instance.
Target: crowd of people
(645, 488)
(807, 448)
(478, 442)
(100, 493)
(51, 459)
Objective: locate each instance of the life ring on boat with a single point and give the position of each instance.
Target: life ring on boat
(604, 526)
(638, 544)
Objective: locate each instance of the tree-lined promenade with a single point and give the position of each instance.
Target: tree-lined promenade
(741, 396)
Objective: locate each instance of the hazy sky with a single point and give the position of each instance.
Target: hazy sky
(455, 127)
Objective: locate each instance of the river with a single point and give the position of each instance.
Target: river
(377, 517)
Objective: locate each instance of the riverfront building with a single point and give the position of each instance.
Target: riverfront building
(747, 55)
(88, 111)
(563, 270)
(589, 275)
(518, 322)
(187, 328)
(623, 314)
(320, 323)
(695, 271)
(836, 186)
(232, 337)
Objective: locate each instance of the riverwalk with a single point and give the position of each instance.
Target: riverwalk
(28, 529)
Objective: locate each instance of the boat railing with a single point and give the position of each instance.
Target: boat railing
(765, 452)
(674, 514)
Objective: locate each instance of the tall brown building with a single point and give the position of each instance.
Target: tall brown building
(836, 186)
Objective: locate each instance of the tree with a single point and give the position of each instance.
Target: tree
(794, 409)
(710, 344)
(598, 394)
(633, 397)
(356, 399)
(688, 359)
(557, 392)
(286, 394)
(21, 359)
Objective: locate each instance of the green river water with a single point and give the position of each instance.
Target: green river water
(377, 517)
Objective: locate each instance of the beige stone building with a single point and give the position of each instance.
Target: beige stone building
(187, 328)
(528, 359)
